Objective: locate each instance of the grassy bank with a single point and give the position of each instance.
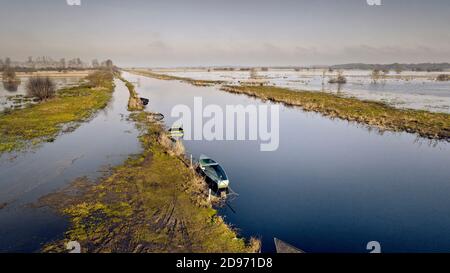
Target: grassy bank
(152, 203)
(384, 117)
(44, 121)
(134, 102)
(151, 74)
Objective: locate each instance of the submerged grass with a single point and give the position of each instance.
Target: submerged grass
(151, 203)
(424, 123)
(159, 76)
(43, 122)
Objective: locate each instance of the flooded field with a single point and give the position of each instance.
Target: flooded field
(408, 89)
(7, 93)
(106, 140)
(332, 186)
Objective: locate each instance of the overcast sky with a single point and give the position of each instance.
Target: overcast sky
(228, 32)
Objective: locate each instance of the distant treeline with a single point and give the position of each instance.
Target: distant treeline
(30, 70)
(396, 66)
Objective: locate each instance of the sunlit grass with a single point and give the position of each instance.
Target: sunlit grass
(43, 122)
(377, 114)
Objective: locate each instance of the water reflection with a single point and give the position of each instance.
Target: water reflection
(106, 140)
(10, 90)
(11, 86)
(416, 90)
(333, 186)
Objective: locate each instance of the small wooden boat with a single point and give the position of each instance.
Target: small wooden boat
(283, 247)
(214, 173)
(176, 132)
(145, 101)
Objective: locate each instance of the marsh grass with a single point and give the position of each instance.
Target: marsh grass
(152, 203)
(443, 77)
(134, 102)
(384, 117)
(38, 123)
(201, 83)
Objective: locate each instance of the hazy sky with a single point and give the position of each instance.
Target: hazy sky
(228, 32)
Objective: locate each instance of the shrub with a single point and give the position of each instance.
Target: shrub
(376, 75)
(9, 75)
(443, 77)
(41, 87)
(340, 79)
(100, 78)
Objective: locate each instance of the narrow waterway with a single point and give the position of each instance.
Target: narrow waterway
(332, 186)
(106, 140)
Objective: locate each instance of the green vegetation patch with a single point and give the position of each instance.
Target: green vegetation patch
(43, 122)
(134, 102)
(424, 123)
(152, 203)
(151, 74)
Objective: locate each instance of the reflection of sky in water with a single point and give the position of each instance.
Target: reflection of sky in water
(21, 89)
(331, 185)
(415, 90)
(108, 139)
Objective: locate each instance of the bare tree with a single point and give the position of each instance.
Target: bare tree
(95, 63)
(340, 78)
(9, 75)
(376, 75)
(41, 87)
(253, 73)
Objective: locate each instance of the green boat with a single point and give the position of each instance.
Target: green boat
(214, 173)
(176, 132)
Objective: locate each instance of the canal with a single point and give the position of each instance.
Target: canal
(332, 186)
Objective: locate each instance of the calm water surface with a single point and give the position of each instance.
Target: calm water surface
(415, 90)
(331, 186)
(20, 90)
(106, 140)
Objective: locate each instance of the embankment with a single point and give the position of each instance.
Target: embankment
(426, 124)
(379, 115)
(151, 74)
(152, 203)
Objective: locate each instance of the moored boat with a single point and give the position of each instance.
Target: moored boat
(284, 248)
(214, 173)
